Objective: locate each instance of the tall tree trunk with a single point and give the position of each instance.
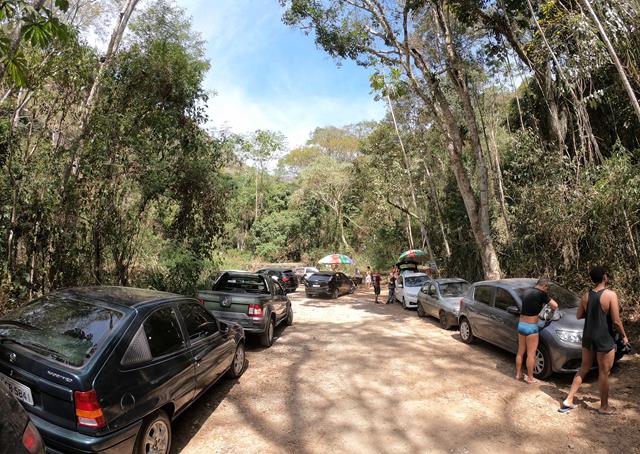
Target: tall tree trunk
(436, 202)
(614, 57)
(407, 167)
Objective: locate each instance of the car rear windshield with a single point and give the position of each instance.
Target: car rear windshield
(67, 330)
(415, 281)
(320, 277)
(565, 298)
(241, 284)
(453, 289)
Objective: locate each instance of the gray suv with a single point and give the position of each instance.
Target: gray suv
(490, 311)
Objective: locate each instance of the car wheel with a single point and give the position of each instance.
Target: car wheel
(542, 365)
(239, 362)
(466, 334)
(444, 322)
(420, 310)
(266, 338)
(155, 435)
(289, 320)
(335, 294)
(352, 290)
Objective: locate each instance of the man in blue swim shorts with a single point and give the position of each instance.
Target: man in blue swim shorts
(533, 300)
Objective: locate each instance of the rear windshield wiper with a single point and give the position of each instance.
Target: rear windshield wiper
(36, 346)
(17, 323)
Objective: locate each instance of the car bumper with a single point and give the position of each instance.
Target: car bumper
(452, 319)
(248, 324)
(317, 291)
(58, 440)
(565, 357)
(411, 301)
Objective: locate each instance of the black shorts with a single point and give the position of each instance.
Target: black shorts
(376, 290)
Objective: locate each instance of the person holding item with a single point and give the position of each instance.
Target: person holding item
(533, 300)
(392, 286)
(601, 312)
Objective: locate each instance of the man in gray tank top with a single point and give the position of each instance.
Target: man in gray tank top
(601, 312)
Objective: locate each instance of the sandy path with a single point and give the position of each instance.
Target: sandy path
(351, 376)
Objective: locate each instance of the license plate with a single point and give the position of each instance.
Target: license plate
(316, 285)
(19, 390)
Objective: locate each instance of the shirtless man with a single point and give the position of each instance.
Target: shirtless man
(601, 312)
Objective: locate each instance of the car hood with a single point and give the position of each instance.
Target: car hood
(569, 320)
(411, 291)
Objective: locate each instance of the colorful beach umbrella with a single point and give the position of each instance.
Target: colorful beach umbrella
(336, 259)
(414, 255)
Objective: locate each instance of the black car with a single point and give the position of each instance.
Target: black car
(18, 435)
(284, 276)
(106, 369)
(328, 283)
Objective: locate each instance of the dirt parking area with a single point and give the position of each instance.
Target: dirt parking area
(352, 376)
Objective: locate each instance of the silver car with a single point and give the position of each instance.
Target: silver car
(490, 311)
(440, 298)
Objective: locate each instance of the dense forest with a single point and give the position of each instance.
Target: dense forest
(510, 146)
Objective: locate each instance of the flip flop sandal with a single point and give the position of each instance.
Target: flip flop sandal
(566, 408)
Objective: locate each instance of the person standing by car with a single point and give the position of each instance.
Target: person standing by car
(367, 278)
(376, 280)
(533, 300)
(392, 286)
(601, 312)
(357, 277)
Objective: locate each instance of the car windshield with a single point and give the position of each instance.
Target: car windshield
(415, 281)
(453, 289)
(320, 277)
(66, 330)
(241, 284)
(565, 298)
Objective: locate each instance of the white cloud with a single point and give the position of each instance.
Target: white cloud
(295, 118)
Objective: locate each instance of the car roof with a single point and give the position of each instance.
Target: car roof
(122, 296)
(280, 270)
(514, 283)
(449, 280)
(414, 274)
(326, 273)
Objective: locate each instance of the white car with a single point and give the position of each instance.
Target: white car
(407, 288)
(304, 272)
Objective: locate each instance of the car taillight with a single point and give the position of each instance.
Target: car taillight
(255, 310)
(31, 439)
(88, 409)
(285, 279)
(201, 301)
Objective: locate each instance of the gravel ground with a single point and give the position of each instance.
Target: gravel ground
(352, 376)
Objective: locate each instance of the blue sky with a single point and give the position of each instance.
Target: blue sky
(270, 76)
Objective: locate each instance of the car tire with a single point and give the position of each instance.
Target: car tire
(444, 321)
(466, 333)
(542, 366)
(335, 294)
(421, 312)
(155, 434)
(352, 290)
(266, 338)
(239, 362)
(289, 320)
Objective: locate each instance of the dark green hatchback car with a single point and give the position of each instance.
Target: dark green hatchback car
(106, 369)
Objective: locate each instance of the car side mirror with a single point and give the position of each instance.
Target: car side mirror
(513, 310)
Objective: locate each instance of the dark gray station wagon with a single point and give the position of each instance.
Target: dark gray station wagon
(106, 369)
